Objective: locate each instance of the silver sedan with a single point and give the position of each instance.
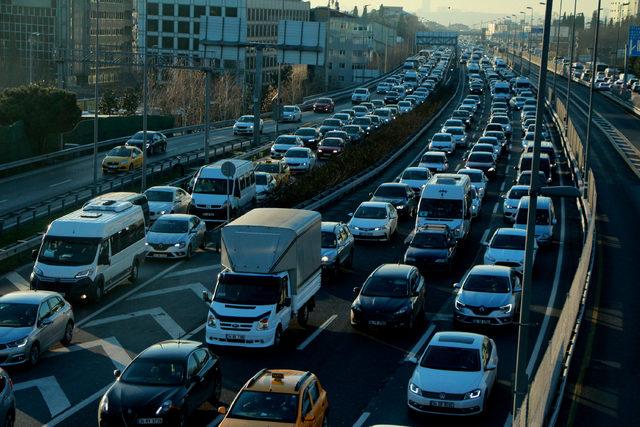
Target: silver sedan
(175, 236)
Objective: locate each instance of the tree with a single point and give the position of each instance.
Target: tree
(226, 97)
(108, 103)
(130, 100)
(365, 12)
(355, 11)
(181, 92)
(43, 110)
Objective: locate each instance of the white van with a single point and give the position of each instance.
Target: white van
(88, 252)
(501, 91)
(212, 192)
(545, 218)
(446, 199)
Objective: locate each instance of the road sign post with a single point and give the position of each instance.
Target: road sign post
(228, 169)
(634, 41)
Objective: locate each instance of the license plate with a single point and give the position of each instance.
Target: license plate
(207, 214)
(113, 167)
(235, 337)
(147, 421)
(377, 322)
(161, 255)
(441, 404)
(482, 321)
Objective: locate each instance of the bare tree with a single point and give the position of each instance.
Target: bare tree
(293, 89)
(179, 92)
(227, 97)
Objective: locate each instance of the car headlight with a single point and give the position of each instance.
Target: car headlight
(263, 323)
(335, 151)
(399, 206)
(84, 273)
(377, 229)
(180, 245)
(506, 309)
(403, 310)
(18, 343)
(414, 389)
(324, 259)
(211, 320)
(473, 394)
(165, 407)
(304, 164)
(104, 404)
(459, 305)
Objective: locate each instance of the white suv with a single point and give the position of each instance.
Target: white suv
(359, 95)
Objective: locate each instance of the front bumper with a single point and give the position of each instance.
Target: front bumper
(298, 168)
(12, 356)
(251, 339)
(380, 321)
(73, 289)
(243, 131)
(118, 416)
(376, 235)
(114, 168)
(444, 407)
(166, 251)
(493, 319)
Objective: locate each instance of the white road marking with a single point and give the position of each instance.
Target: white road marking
(52, 393)
(77, 407)
(18, 281)
(188, 335)
(412, 356)
(196, 288)
(60, 183)
(111, 346)
(128, 294)
(158, 314)
(504, 183)
(360, 421)
(193, 270)
(4, 200)
(317, 332)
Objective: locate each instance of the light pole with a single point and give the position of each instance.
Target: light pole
(30, 39)
(278, 94)
(529, 42)
(145, 106)
(570, 73)
(555, 65)
(521, 43)
(95, 97)
(594, 59)
(620, 4)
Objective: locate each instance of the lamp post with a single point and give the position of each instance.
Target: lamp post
(529, 41)
(94, 189)
(520, 44)
(570, 73)
(278, 94)
(555, 65)
(594, 59)
(620, 4)
(30, 39)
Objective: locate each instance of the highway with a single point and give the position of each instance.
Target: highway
(365, 373)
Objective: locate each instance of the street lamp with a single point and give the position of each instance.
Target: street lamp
(30, 39)
(555, 65)
(570, 72)
(620, 4)
(95, 98)
(594, 59)
(520, 41)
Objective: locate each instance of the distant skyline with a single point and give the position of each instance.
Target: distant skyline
(469, 12)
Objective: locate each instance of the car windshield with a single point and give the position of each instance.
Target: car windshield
(542, 216)
(404, 104)
(480, 157)
(159, 196)
(420, 175)
(441, 137)
(261, 179)
(306, 132)
(440, 208)
(328, 239)
(494, 134)
(482, 148)
(473, 176)
(298, 154)
(394, 191)
(451, 359)
(268, 167)
(212, 186)
(386, 286)
(508, 241)
(450, 123)
(246, 119)
(384, 113)
(517, 194)
(332, 142)
(17, 315)
(429, 240)
(361, 91)
(324, 101)
(331, 122)
(140, 136)
(352, 129)
(258, 405)
(487, 283)
(154, 372)
(433, 158)
(488, 140)
(172, 226)
(456, 131)
(370, 212)
(286, 140)
(501, 120)
(289, 109)
(248, 290)
(362, 121)
(119, 152)
(68, 250)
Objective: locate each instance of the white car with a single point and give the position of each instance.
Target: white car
(435, 161)
(359, 95)
(511, 200)
(374, 221)
(471, 103)
(291, 113)
(300, 159)
(478, 179)
(506, 247)
(416, 178)
(505, 122)
(175, 236)
(405, 107)
(283, 143)
(442, 142)
(165, 199)
(458, 133)
(244, 125)
(265, 184)
(455, 375)
(383, 87)
(476, 202)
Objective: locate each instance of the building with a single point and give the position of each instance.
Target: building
(620, 10)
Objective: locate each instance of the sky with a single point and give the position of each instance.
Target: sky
(468, 12)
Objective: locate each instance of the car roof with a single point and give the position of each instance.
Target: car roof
(395, 270)
(469, 171)
(162, 188)
(542, 202)
(507, 231)
(174, 216)
(433, 228)
(490, 270)
(437, 153)
(284, 381)
(457, 339)
(375, 204)
(393, 184)
(170, 349)
(27, 297)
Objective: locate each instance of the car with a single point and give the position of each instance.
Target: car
(506, 247)
(487, 295)
(602, 86)
(359, 95)
(469, 110)
(432, 247)
(435, 161)
(476, 88)
(165, 384)
(476, 98)
(516, 102)
(32, 322)
(484, 148)
(308, 104)
(300, 159)
(374, 221)
(392, 97)
(164, 199)
(545, 219)
(156, 142)
(486, 162)
(376, 121)
(336, 246)
(476, 202)
(478, 179)
(383, 87)
(443, 142)
(337, 134)
(393, 296)
(122, 158)
(265, 184)
(365, 123)
(405, 107)
(546, 147)
(458, 133)
(324, 105)
(355, 132)
(511, 200)
(244, 125)
(505, 122)
(452, 123)
(368, 105)
(7, 400)
(491, 127)
(278, 397)
(385, 114)
(310, 136)
(524, 178)
(274, 167)
(291, 113)
(330, 147)
(175, 236)
(471, 103)
(282, 144)
(395, 111)
(330, 124)
(500, 136)
(455, 375)
(545, 131)
(360, 111)
(462, 115)
(416, 178)
(377, 103)
(400, 195)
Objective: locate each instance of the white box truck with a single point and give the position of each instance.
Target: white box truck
(271, 274)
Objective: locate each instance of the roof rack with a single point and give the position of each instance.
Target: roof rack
(256, 377)
(107, 206)
(302, 380)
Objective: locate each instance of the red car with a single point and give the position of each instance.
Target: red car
(324, 105)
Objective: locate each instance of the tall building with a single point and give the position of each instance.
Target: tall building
(623, 9)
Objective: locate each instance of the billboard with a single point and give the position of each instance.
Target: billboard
(436, 38)
(220, 30)
(301, 42)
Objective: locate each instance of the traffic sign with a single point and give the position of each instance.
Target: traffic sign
(634, 40)
(228, 169)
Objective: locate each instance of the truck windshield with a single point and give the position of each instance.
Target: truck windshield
(247, 289)
(440, 209)
(68, 250)
(212, 186)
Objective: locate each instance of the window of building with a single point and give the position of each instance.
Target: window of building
(183, 43)
(196, 28)
(183, 10)
(152, 41)
(199, 11)
(152, 8)
(196, 44)
(231, 12)
(167, 42)
(167, 10)
(152, 25)
(342, 65)
(183, 27)
(167, 26)
(215, 11)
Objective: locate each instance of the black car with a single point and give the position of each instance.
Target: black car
(392, 97)
(156, 142)
(309, 136)
(393, 296)
(324, 105)
(462, 115)
(164, 385)
(355, 132)
(366, 123)
(308, 104)
(329, 125)
(432, 247)
(401, 196)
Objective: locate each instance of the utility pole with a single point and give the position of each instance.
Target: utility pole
(95, 98)
(594, 59)
(257, 95)
(529, 47)
(570, 73)
(207, 108)
(620, 5)
(145, 107)
(555, 66)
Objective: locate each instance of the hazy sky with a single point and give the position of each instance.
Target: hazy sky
(468, 12)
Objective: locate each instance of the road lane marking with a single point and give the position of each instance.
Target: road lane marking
(188, 335)
(18, 281)
(495, 208)
(412, 356)
(317, 332)
(504, 183)
(77, 407)
(60, 183)
(360, 421)
(193, 270)
(196, 288)
(158, 314)
(4, 200)
(111, 347)
(51, 392)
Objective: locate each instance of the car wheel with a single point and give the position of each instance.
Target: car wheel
(97, 292)
(135, 269)
(68, 333)
(277, 338)
(303, 316)
(34, 354)
(189, 252)
(10, 419)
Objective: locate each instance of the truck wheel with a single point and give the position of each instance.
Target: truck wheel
(133, 276)
(97, 292)
(277, 338)
(303, 316)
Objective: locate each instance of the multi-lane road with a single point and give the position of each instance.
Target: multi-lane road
(365, 373)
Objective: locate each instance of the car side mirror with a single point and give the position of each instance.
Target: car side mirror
(309, 417)
(117, 373)
(222, 410)
(45, 322)
(356, 291)
(206, 297)
(456, 286)
(287, 302)
(34, 254)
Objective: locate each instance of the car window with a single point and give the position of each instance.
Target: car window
(192, 365)
(56, 304)
(485, 352)
(314, 392)
(306, 403)
(44, 311)
(202, 356)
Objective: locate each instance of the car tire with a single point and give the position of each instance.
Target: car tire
(68, 334)
(277, 339)
(303, 316)
(34, 354)
(97, 292)
(189, 253)
(10, 419)
(135, 271)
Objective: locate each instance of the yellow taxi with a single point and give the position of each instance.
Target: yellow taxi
(122, 158)
(278, 397)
